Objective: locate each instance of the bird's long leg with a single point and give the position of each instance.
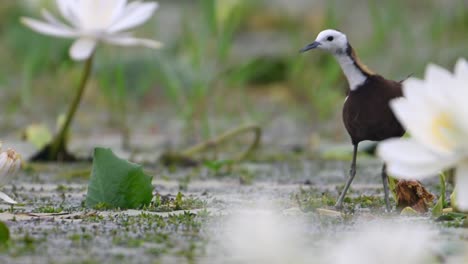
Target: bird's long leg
(352, 173)
(385, 187)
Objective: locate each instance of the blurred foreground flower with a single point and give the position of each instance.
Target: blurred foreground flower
(435, 113)
(385, 242)
(92, 21)
(10, 163)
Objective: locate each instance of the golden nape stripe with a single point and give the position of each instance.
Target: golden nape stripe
(359, 64)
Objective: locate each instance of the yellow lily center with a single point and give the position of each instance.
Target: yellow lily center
(444, 131)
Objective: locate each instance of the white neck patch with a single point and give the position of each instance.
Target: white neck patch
(353, 74)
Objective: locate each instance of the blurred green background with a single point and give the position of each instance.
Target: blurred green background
(225, 62)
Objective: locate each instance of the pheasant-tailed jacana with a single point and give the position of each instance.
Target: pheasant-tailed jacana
(366, 112)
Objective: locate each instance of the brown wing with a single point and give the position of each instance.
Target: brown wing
(367, 114)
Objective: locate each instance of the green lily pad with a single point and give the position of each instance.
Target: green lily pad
(4, 233)
(117, 183)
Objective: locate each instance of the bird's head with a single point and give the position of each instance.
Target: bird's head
(330, 40)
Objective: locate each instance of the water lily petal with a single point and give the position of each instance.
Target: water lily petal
(125, 40)
(417, 121)
(461, 186)
(459, 93)
(413, 87)
(97, 16)
(427, 93)
(48, 29)
(407, 159)
(10, 163)
(416, 92)
(119, 9)
(437, 76)
(7, 170)
(133, 17)
(4, 179)
(69, 10)
(53, 20)
(406, 150)
(7, 198)
(461, 71)
(415, 172)
(83, 48)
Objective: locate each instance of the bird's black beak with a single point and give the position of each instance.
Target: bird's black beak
(312, 45)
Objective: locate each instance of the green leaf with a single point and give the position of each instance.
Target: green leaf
(209, 13)
(117, 183)
(4, 233)
(451, 217)
(438, 208)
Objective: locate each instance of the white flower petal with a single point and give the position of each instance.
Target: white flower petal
(10, 163)
(417, 93)
(461, 186)
(54, 21)
(82, 48)
(124, 40)
(433, 90)
(437, 76)
(7, 198)
(461, 71)
(92, 21)
(48, 29)
(415, 172)
(130, 8)
(98, 15)
(412, 88)
(134, 17)
(69, 9)
(119, 9)
(3, 169)
(459, 93)
(8, 170)
(405, 150)
(417, 121)
(407, 159)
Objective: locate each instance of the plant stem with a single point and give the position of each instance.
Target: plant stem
(59, 143)
(225, 138)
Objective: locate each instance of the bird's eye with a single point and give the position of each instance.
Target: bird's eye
(330, 38)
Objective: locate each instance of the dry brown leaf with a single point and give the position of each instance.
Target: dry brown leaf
(413, 194)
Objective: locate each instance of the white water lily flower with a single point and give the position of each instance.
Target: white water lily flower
(94, 21)
(10, 163)
(435, 113)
